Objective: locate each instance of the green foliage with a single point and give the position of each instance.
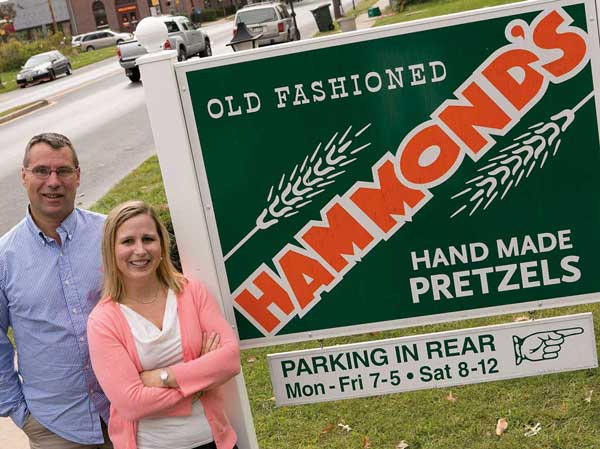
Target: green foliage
(400, 5)
(421, 9)
(14, 53)
(144, 183)
(211, 14)
(7, 10)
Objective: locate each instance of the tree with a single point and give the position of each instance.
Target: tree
(7, 14)
(7, 11)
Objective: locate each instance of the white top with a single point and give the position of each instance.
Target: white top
(156, 349)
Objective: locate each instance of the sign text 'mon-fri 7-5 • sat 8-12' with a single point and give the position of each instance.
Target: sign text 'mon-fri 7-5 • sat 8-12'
(434, 360)
(418, 182)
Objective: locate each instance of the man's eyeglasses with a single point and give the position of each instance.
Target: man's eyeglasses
(43, 172)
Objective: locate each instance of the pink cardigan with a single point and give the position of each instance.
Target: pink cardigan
(117, 367)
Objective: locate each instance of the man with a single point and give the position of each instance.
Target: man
(50, 279)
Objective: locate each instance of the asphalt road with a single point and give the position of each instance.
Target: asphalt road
(108, 124)
(104, 115)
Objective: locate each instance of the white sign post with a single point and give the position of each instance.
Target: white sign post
(186, 205)
(436, 360)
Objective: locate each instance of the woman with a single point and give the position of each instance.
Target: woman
(159, 344)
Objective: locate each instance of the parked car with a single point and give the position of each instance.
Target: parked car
(44, 66)
(100, 39)
(272, 19)
(183, 36)
(76, 40)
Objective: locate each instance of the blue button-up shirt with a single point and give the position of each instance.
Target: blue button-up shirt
(46, 294)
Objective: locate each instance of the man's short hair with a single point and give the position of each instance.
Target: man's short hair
(55, 141)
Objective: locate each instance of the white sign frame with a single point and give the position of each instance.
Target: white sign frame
(490, 353)
(341, 39)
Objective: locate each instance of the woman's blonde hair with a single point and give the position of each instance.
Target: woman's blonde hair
(167, 275)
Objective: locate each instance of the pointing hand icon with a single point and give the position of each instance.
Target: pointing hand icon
(542, 345)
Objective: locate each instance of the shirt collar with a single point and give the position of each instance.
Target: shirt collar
(65, 230)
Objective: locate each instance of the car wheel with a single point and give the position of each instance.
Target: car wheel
(135, 76)
(119, 42)
(22, 86)
(89, 48)
(69, 70)
(207, 49)
(181, 55)
(52, 75)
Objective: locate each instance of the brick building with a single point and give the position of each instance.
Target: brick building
(123, 15)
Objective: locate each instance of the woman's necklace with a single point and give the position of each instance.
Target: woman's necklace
(141, 301)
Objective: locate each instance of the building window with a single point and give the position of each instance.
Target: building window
(99, 13)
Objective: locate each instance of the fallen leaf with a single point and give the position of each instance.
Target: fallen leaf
(533, 430)
(588, 398)
(450, 397)
(402, 445)
(501, 426)
(366, 442)
(327, 429)
(345, 427)
(564, 407)
(521, 318)
(251, 359)
(272, 398)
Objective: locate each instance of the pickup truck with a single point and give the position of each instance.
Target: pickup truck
(183, 36)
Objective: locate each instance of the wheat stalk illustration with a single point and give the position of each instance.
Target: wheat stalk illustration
(506, 170)
(307, 180)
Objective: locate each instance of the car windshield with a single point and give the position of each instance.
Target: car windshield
(77, 39)
(37, 60)
(256, 16)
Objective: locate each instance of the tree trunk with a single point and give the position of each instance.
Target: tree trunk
(337, 12)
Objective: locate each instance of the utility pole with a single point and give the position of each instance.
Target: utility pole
(337, 13)
(52, 16)
(72, 18)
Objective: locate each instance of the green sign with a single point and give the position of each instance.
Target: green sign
(405, 175)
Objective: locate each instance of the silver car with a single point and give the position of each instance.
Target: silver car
(100, 39)
(271, 19)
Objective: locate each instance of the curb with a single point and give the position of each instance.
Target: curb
(25, 110)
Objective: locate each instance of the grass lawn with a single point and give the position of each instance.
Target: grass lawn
(16, 108)
(434, 8)
(145, 183)
(9, 79)
(361, 7)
